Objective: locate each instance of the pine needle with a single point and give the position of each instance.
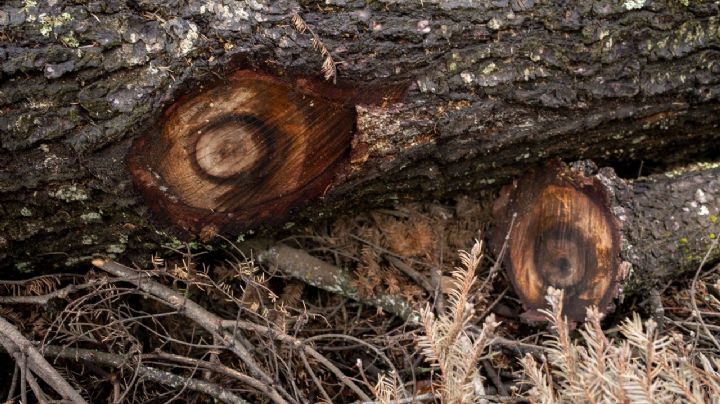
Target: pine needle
(329, 66)
(640, 368)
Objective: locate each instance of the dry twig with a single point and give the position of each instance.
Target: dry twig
(147, 372)
(693, 288)
(22, 350)
(329, 67)
(208, 321)
(301, 265)
(225, 330)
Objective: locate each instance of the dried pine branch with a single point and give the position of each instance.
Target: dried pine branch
(329, 66)
(541, 391)
(387, 390)
(642, 368)
(448, 343)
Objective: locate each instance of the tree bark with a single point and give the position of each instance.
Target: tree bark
(491, 88)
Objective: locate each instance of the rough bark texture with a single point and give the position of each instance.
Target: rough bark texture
(494, 87)
(669, 222)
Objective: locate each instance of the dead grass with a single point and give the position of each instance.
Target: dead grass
(115, 339)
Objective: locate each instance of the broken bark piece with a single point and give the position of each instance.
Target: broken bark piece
(241, 153)
(564, 236)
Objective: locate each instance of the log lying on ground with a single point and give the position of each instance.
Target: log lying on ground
(591, 233)
(572, 227)
(490, 88)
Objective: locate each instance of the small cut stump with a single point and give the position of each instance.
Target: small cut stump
(584, 230)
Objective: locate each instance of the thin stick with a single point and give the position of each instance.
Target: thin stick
(495, 377)
(151, 373)
(214, 367)
(43, 299)
(35, 387)
(498, 262)
(521, 347)
(494, 303)
(339, 374)
(436, 277)
(209, 321)
(115, 381)
(23, 378)
(316, 272)
(13, 383)
(280, 336)
(693, 301)
(25, 281)
(24, 352)
(433, 396)
(363, 343)
(314, 377)
(419, 278)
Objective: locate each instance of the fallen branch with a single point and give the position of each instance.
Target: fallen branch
(521, 348)
(221, 328)
(21, 349)
(215, 367)
(148, 372)
(44, 299)
(316, 272)
(205, 319)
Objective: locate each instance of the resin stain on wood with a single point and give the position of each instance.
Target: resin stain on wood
(564, 236)
(241, 153)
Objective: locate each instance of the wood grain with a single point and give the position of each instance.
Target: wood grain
(241, 153)
(564, 236)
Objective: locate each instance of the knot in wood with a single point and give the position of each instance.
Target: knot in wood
(563, 257)
(232, 146)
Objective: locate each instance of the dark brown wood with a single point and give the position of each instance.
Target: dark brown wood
(246, 149)
(592, 234)
(490, 89)
(563, 235)
(241, 153)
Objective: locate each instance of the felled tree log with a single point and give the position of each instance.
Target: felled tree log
(591, 233)
(447, 96)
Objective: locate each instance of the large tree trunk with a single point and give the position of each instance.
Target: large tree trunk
(491, 89)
